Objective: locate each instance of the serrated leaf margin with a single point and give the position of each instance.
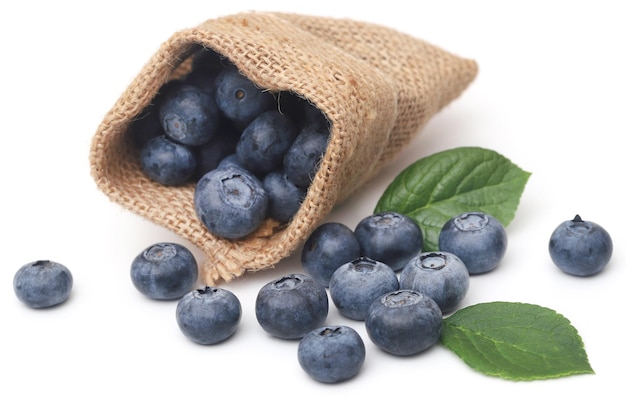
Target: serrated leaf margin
(449, 328)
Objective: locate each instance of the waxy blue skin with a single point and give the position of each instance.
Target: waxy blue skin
(302, 159)
(209, 315)
(231, 202)
(230, 160)
(265, 141)
(440, 275)
(580, 247)
(189, 115)
(332, 354)
(211, 154)
(203, 79)
(389, 237)
(164, 271)
(404, 322)
(285, 197)
(167, 162)
(147, 124)
(356, 284)
(477, 238)
(42, 284)
(330, 245)
(291, 306)
(239, 99)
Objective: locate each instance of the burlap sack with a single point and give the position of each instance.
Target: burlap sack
(378, 87)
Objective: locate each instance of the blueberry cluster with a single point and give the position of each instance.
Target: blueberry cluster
(251, 153)
(388, 237)
(386, 249)
(360, 269)
(400, 322)
(379, 274)
(169, 271)
(295, 307)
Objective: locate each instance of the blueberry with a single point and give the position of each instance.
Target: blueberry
(440, 275)
(164, 271)
(389, 237)
(303, 157)
(264, 141)
(167, 162)
(580, 247)
(43, 283)
(230, 202)
(209, 315)
(230, 161)
(291, 306)
(404, 322)
(147, 124)
(203, 79)
(211, 154)
(331, 354)
(356, 284)
(284, 196)
(189, 115)
(239, 99)
(477, 238)
(331, 245)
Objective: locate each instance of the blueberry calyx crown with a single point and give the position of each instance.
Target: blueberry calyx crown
(363, 264)
(160, 252)
(433, 261)
(401, 298)
(330, 331)
(578, 226)
(287, 282)
(239, 191)
(206, 290)
(177, 126)
(42, 263)
(386, 219)
(471, 221)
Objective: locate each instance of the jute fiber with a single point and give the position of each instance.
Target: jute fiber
(378, 88)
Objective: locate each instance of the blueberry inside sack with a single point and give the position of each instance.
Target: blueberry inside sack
(377, 87)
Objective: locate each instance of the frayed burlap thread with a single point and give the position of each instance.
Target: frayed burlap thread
(378, 88)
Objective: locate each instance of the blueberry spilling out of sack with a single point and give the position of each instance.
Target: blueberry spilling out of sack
(250, 152)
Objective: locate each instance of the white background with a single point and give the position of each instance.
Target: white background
(550, 96)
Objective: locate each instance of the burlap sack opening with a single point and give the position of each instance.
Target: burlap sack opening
(378, 88)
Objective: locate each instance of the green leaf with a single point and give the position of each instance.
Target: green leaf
(515, 341)
(436, 188)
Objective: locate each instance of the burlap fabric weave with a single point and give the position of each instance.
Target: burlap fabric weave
(378, 87)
